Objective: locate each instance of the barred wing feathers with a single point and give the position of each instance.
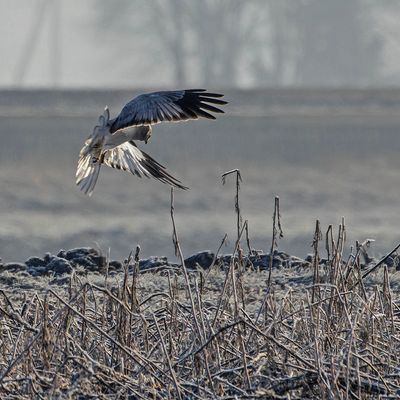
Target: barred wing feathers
(179, 105)
(129, 157)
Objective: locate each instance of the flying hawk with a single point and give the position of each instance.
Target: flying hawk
(112, 141)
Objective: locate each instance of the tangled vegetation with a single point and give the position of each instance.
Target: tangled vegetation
(225, 332)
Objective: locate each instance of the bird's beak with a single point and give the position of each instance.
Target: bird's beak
(106, 114)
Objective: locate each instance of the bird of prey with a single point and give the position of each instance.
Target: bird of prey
(112, 141)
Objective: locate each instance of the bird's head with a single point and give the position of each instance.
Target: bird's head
(104, 118)
(102, 128)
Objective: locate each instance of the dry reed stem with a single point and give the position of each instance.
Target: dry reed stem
(276, 232)
(178, 391)
(180, 254)
(237, 204)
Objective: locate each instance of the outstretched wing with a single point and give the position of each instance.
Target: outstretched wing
(87, 173)
(129, 157)
(179, 105)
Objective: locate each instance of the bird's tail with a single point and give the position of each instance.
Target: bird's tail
(87, 173)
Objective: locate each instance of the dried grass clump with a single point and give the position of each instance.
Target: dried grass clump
(337, 338)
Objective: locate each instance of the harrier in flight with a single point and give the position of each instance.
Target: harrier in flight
(112, 141)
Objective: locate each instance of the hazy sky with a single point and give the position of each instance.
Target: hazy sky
(84, 59)
(90, 57)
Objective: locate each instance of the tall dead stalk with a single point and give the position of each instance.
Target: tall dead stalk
(276, 232)
(179, 253)
(237, 204)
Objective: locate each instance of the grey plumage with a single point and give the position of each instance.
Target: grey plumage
(111, 142)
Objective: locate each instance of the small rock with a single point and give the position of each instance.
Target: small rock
(262, 261)
(86, 263)
(225, 260)
(80, 252)
(62, 254)
(59, 266)
(38, 271)
(8, 280)
(203, 258)
(91, 263)
(153, 262)
(100, 261)
(13, 267)
(282, 255)
(114, 265)
(48, 257)
(34, 262)
(296, 264)
(392, 262)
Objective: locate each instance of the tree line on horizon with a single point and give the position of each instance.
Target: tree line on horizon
(255, 42)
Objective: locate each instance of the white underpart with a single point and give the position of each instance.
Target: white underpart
(126, 135)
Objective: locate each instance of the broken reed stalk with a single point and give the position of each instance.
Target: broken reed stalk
(276, 232)
(135, 280)
(237, 205)
(316, 240)
(211, 267)
(329, 242)
(179, 253)
(229, 274)
(134, 299)
(164, 348)
(248, 239)
(341, 239)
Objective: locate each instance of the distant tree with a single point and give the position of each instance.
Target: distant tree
(281, 40)
(155, 29)
(260, 42)
(385, 15)
(168, 23)
(224, 32)
(201, 40)
(320, 42)
(335, 43)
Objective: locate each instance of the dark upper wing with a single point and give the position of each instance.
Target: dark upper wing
(129, 157)
(179, 105)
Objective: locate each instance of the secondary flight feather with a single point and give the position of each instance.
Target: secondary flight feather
(112, 141)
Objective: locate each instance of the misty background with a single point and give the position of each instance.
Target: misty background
(228, 43)
(313, 117)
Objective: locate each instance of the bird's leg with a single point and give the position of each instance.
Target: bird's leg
(97, 151)
(148, 135)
